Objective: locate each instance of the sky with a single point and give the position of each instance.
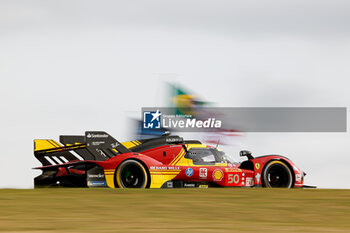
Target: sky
(71, 66)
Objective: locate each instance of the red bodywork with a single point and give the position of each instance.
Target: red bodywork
(228, 175)
(170, 166)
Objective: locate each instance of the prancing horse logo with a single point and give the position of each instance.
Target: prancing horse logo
(257, 166)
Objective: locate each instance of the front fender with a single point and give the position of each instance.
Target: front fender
(259, 164)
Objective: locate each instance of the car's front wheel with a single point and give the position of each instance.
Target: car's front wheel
(277, 175)
(131, 174)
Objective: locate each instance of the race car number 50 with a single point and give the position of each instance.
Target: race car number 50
(233, 178)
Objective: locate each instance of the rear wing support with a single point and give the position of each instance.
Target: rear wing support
(94, 145)
(100, 142)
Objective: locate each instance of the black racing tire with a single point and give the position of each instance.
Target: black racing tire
(277, 174)
(131, 174)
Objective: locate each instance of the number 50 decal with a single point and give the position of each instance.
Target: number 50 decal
(233, 178)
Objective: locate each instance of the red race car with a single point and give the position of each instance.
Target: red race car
(99, 160)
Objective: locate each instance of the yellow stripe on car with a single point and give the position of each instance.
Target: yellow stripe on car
(157, 180)
(109, 176)
(182, 151)
(44, 144)
(128, 144)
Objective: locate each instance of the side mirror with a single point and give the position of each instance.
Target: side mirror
(246, 153)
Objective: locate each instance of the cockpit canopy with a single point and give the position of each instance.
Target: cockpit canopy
(207, 156)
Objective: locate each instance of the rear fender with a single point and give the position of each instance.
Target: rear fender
(111, 165)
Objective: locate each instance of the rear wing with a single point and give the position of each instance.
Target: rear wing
(94, 145)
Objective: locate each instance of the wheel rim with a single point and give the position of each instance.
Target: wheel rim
(278, 176)
(132, 176)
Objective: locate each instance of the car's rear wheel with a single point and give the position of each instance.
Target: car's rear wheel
(277, 175)
(131, 174)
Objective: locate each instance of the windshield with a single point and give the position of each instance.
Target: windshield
(224, 157)
(207, 156)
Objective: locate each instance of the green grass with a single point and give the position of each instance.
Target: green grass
(174, 210)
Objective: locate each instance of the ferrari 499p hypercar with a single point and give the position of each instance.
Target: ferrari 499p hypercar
(98, 160)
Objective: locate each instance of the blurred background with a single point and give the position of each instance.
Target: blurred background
(71, 66)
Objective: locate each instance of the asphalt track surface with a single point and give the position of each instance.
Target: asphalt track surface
(175, 210)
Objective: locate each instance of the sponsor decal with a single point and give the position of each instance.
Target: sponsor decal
(91, 135)
(218, 175)
(203, 186)
(114, 145)
(203, 172)
(164, 168)
(189, 185)
(298, 178)
(97, 143)
(249, 181)
(189, 172)
(257, 177)
(158, 168)
(173, 139)
(233, 170)
(169, 184)
(257, 166)
(101, 152)
(96, 175)
(97, 183)
(151, 119)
